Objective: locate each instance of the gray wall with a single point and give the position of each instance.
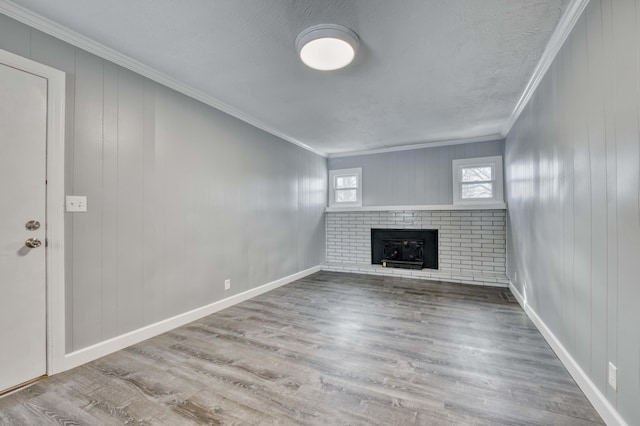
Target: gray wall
(415, 177)
(180, 196)
(572, 182)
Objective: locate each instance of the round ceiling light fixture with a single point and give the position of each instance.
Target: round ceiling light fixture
(327, 47)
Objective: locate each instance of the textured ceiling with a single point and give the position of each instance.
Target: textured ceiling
(427, 70)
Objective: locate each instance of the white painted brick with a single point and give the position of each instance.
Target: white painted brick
(462, 257)
(349, 235)
(471, 245)
(492, 263)
(453, 244)
(492, 245)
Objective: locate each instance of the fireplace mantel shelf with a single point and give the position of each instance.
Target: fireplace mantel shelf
(449, 207)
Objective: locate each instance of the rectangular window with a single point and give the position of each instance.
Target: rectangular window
(345, 187)
(477, 180)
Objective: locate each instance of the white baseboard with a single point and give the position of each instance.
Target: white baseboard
(82, 356)
(607, 411)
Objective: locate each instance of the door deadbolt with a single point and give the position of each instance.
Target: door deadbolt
(32, 225)
(33, 243)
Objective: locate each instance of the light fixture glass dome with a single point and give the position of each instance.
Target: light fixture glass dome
(327, 47)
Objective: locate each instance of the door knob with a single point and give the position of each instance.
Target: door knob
(33, 243)
(32, 225)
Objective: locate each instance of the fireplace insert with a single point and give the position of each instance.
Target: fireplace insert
(405, 248)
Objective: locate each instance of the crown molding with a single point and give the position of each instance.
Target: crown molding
(557, 40)
(432, 144)
(58, 31)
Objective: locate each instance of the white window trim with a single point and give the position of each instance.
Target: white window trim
(498, 192)
(332, 189)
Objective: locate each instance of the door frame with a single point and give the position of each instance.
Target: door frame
(55, 275)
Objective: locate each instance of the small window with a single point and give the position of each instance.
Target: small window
(477, 180)
(345, 188)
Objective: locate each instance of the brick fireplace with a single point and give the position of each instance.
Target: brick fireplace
(471, 243)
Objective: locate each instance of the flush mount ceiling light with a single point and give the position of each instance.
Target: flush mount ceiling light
(327, 47)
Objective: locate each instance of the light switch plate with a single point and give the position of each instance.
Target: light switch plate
(76, 203)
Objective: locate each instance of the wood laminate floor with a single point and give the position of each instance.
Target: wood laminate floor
(330, 349)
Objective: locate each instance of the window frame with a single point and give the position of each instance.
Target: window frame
(333, 174)
(495, 162)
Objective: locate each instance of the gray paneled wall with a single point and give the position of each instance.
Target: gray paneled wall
(572, 183)
(180, 196)
(415, 177)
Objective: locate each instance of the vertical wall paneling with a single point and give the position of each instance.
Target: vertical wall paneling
(605, 9)
(109, 293)
(153, 298)
(180, 197)
(567, 115)
(627, 96)
(573, 169)
(130, 309)
(304, 217)
(595, 104)
(159, 303)
(401, 181)
(300, 219)
(177, 206)
(582, 198)
(415, 177)
(87, 227)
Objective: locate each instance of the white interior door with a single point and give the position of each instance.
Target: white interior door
(23, 130)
